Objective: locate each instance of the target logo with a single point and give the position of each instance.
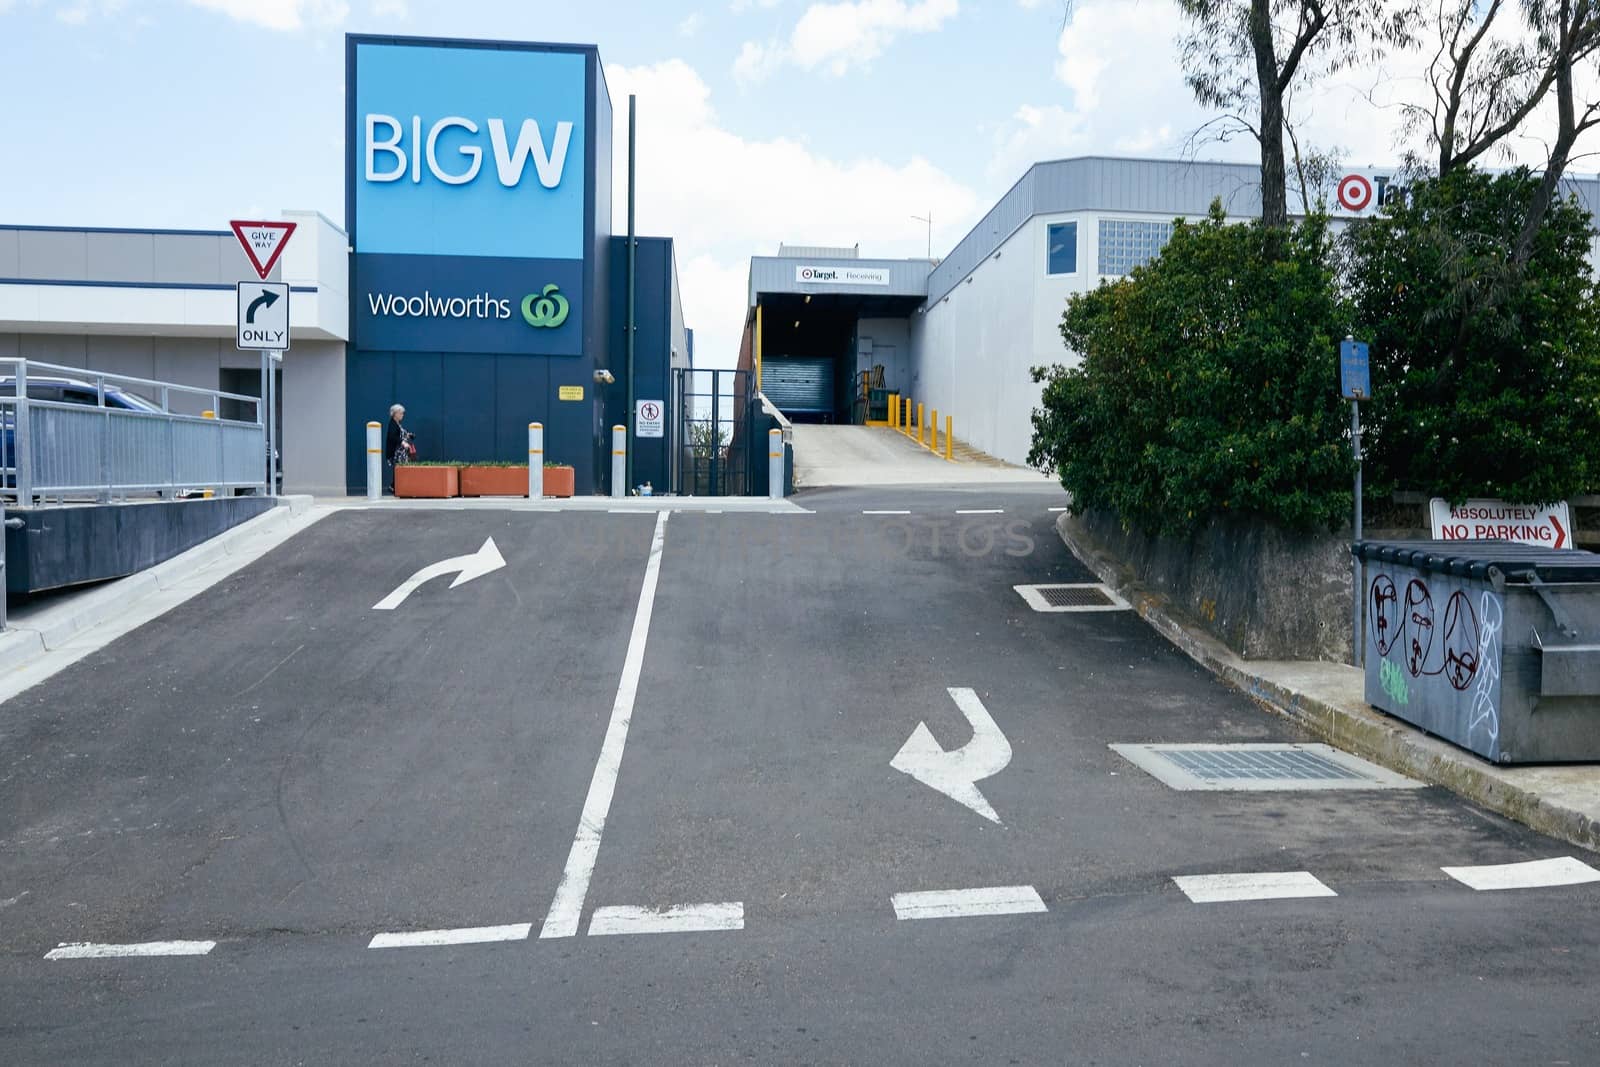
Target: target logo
(1354, 192)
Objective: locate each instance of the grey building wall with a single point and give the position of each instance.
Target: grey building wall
(170, 257)
(771, 274)
(886, 341)
(314, 410)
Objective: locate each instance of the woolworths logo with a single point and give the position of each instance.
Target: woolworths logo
(548, 310)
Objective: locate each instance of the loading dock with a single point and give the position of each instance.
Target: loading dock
(828, 335)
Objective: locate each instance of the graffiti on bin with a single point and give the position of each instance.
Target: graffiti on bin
(1455, 648)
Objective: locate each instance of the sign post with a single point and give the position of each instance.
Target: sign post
(1355, 384)
(263, 319)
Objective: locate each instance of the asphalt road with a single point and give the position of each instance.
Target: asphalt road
(280, 769)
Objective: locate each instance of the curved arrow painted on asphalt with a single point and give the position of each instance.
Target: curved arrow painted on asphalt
(267, 297)
(478, 564)
(955, 774)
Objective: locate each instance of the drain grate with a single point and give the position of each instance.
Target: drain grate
(1260, 767)
(1071, 596)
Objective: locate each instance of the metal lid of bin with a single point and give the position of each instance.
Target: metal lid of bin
(1473, 559)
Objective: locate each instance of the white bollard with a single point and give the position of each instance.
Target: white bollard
(535, 460)
(619, 461)
(374, 461)
(775, 464)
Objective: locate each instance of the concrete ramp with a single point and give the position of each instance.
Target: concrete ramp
(875, 455)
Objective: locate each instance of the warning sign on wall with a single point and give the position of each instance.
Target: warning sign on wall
(1495, 520)
(652, 420)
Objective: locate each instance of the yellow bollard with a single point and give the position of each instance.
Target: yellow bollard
(933, 430)
(922, 426)
(894, 411)
(905, 424)
(949, 435)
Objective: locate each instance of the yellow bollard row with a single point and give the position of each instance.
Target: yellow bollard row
(922, 425)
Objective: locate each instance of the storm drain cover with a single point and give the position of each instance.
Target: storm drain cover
(1260, 767)
(1080, 596)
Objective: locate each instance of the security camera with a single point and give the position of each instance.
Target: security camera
(604, 377)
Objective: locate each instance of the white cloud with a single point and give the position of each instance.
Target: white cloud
(837, 36)
(690, 24)
(281, 14)
(744, 196)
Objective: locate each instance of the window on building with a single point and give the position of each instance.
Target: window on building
(1125, 245)
(1062, 256)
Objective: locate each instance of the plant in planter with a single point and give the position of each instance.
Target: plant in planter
(559, 479)
(494, 479)
(427, 480)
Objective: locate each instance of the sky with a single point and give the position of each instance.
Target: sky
(760, 121)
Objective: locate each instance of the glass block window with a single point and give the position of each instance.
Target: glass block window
(1061, 256)
(1125, 245)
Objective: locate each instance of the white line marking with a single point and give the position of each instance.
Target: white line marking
(1058, 509)
(981, 511)
(886, 513)
(1531, 875)
(685, 918)
(1266, 885)
(567, 908)
(84, 950)
(955, 903)
(466, 935)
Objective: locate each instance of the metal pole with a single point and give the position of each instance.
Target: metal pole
(632, 326)
(272, 422)
(535, 460)
(21, 440)
(775, 464)
(374, 461)
(619, 461)
(716, 430)
(1358, 577)
(261, 408)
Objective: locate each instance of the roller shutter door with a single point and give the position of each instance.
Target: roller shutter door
(799, 385)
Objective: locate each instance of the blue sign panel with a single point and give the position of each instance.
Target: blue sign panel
(1355, 379)
(470, 304)
(469, 151)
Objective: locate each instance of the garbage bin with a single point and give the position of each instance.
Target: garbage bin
(1491, 645)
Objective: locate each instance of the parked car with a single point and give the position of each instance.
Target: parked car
(76, 391)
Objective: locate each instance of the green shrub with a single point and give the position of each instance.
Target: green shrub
(1208, 384)
(1486, 376)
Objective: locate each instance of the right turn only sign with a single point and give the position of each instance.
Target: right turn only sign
(1495, 520)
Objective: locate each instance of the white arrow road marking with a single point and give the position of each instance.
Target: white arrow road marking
(955, 774)
(478, 564)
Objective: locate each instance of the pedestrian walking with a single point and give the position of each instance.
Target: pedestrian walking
(399, 445)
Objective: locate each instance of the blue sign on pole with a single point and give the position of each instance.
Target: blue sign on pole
(1355, 380)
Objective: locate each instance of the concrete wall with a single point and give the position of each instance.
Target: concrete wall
(885, 341)
(313, 418)
(1264, 592)
(973, 348)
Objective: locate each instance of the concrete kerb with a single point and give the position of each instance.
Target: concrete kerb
(54, 627)
(1326, 699)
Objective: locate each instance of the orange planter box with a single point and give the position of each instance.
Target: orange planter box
(430, 482)
(558, 481)
(494, 481)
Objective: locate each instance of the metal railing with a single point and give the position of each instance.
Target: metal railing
(70, 433)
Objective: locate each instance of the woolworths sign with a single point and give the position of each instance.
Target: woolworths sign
(841, 275)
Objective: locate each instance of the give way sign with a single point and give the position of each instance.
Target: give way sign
(1495, 520)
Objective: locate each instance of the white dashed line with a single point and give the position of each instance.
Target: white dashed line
(566, 910)
(886, 513)
(981, 511)
(1058, 509)
(1535, 874)
(467, 935)
(956, 903)
(1266, 885)
(683, 919)
(84, 950)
